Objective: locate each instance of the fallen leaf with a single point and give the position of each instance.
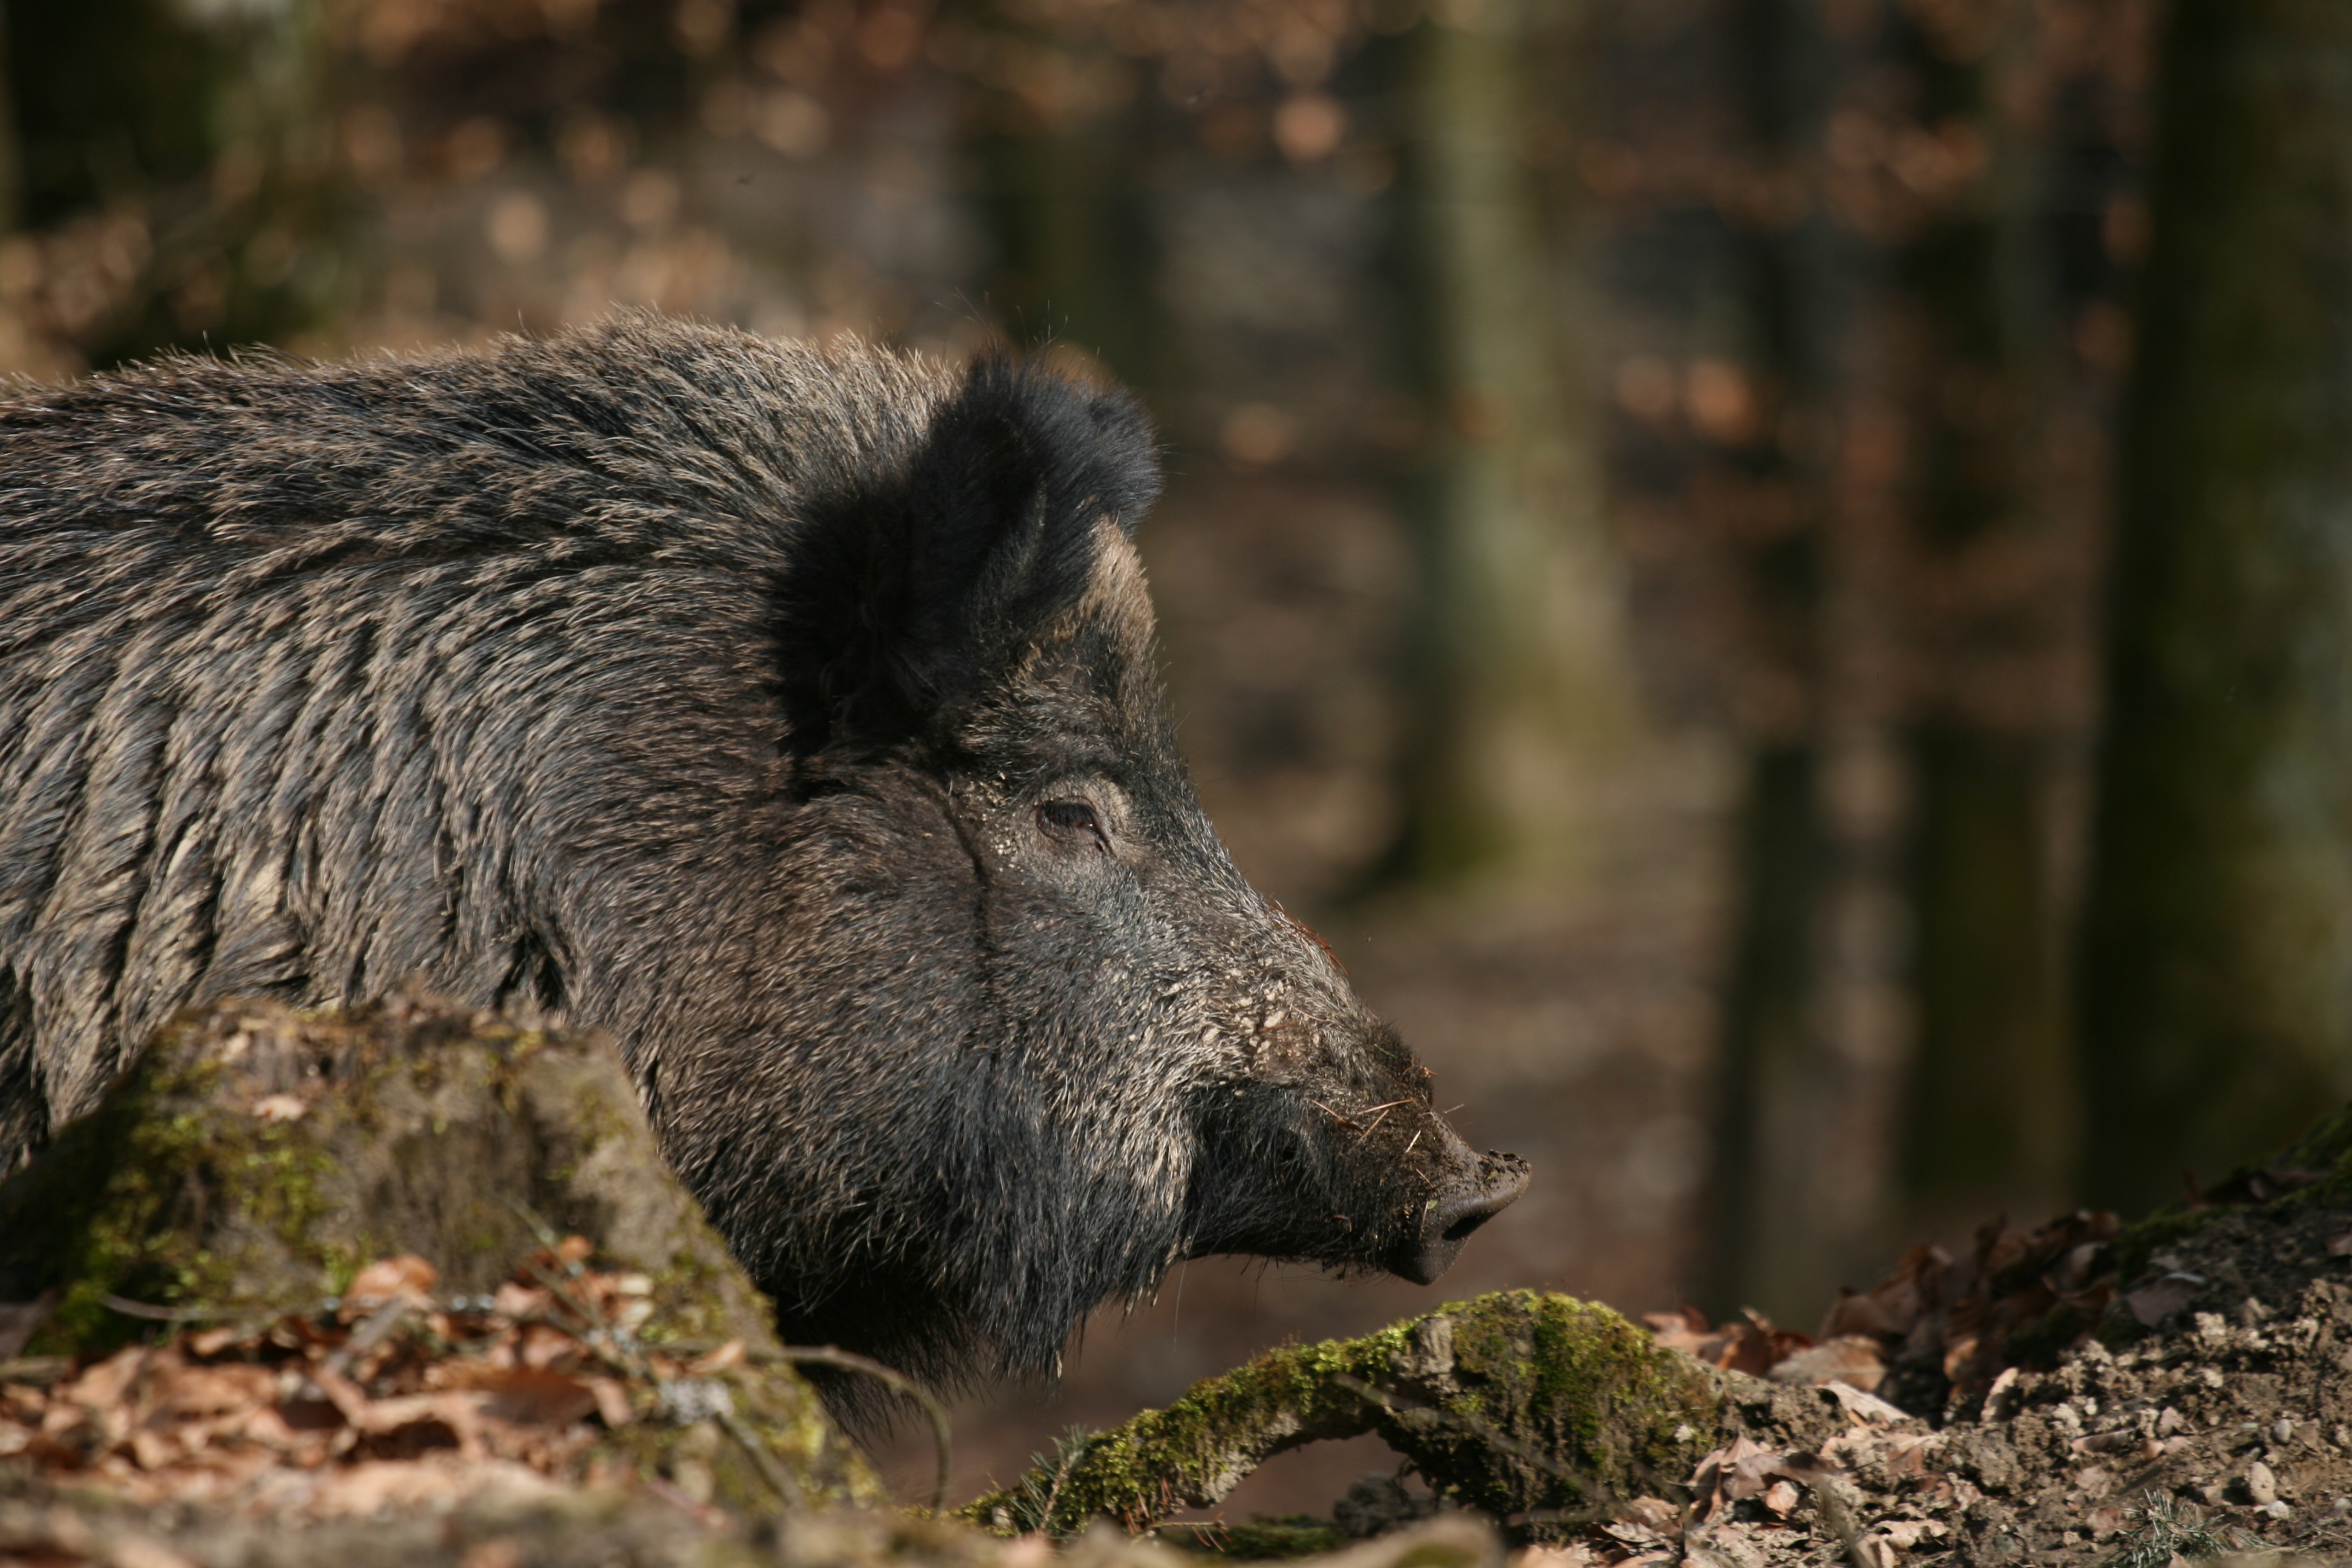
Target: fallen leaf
(377, 1284)
(211, 1390)
(725, 1357)
(1868, 1407)
(143, 1552)
(1908, 1533)
(1854, 1358)
(1575, 1555)
(1656, 1513)
(529, 1396)
(612, 1405)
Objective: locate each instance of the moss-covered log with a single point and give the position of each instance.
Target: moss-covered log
(1514, 1401)
(255, 1157)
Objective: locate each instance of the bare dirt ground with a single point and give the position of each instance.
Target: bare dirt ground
(2219, 1427)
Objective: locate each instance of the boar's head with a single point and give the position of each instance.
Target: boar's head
(1024, 1038)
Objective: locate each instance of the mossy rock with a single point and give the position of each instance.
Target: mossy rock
(255, 1157)
(1517, 1401)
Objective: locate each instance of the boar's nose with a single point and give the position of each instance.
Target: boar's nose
(1454, 1214)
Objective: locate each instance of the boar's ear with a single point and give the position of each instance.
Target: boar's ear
(904, 615)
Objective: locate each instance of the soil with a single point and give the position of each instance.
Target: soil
(2207, 1415)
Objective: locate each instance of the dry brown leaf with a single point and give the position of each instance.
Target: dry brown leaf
(525, 1395)
(1856, 1359)
(297, 1416)
(1746, 1470)
(1864, 1405)
(514, 1299)
(612, 1406)
(380, 1282)
(1907, 1533)
(1655, 1513)
(187, 1391)
(1576, 1554)
(544, 1347)
(722, 1359)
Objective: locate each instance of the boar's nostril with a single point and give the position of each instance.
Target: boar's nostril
(1454, 1215)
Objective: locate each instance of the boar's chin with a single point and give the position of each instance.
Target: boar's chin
(1271, 1187)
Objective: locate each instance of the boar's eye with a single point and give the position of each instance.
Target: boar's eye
(1073, 817)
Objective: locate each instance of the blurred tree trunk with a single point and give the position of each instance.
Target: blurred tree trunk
(1532, 713)
(1988, 1117)
(2216, 981)
(12, 170)
(1770, 1238)
(1065, 189)
(204, 135)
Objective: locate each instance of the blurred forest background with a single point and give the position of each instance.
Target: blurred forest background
(1774, 573)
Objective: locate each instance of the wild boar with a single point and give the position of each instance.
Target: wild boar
(788, 713)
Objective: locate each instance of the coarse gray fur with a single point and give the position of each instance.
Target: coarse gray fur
(788, 711)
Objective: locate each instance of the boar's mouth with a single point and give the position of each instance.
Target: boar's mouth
(1449, 1217)
(1329, 1190)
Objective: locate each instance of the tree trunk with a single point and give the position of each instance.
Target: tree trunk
(1071, 232)
(1989, 1116)
(1064, 192)
(2216, 977)
(1531, 711)
(1777, 1229)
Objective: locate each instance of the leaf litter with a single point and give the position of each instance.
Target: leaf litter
(387, 1397)
(2071, 1396)
(2067, 1397)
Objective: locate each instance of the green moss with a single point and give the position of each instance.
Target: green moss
(419, 1126)
(1260, 1539)
(1509, 1402)
(2324, 1151)
(2137, 1244)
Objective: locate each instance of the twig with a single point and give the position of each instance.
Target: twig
(812, 1355)
(761, 1461)
(154, 1314)
(373, 1332)
(897, 1383)
(1351, 1126)
(1383, 1116)
(1841, 1524)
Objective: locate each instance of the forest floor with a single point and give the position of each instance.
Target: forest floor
(2222, 1425)
(2193, 1403)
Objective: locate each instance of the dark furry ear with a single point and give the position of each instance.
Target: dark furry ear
(905, 604)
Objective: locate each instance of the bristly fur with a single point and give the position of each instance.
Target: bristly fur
(788, 713)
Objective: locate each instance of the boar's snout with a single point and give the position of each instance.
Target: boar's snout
(1485, 1189)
